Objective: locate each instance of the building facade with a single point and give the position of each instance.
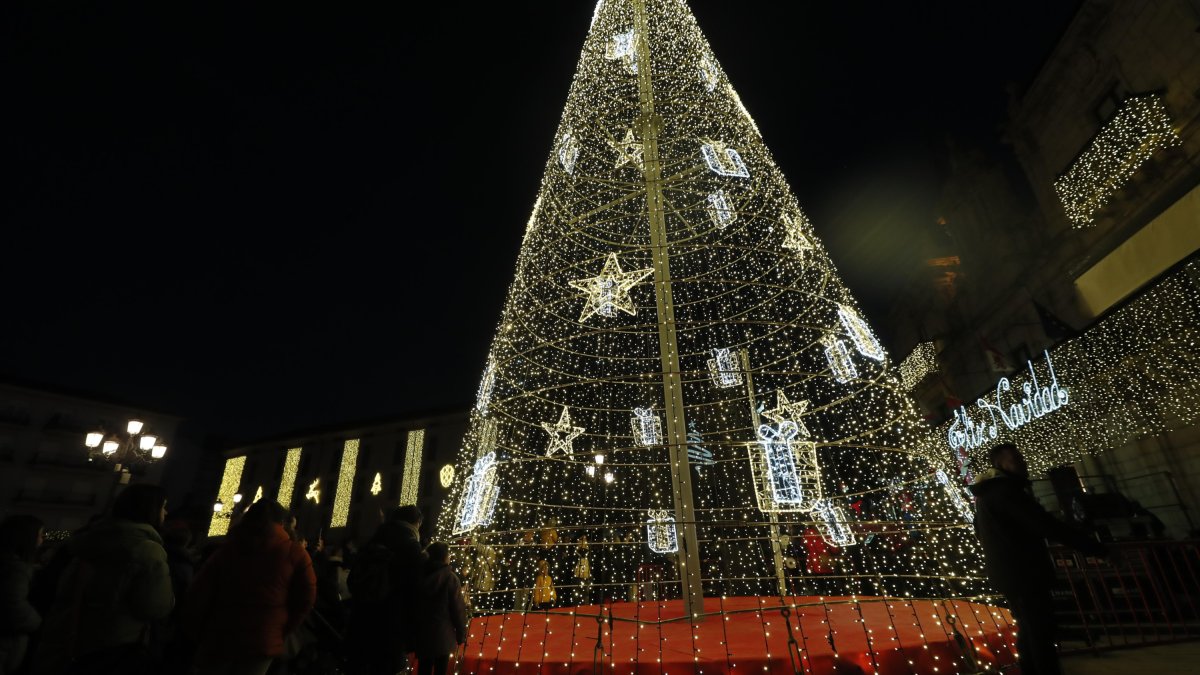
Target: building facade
(340, 481)
(1072, 262)
(46, 470)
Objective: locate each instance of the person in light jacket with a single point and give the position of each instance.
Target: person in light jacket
(250, 595)
(20, 538)
(443, 614)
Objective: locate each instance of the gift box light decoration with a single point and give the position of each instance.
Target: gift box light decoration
(660, 532)
(622, 288)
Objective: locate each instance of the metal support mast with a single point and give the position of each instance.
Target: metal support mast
(649, 124)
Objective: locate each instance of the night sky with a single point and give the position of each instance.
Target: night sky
(270, 216)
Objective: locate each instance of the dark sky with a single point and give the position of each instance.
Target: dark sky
(262, 216)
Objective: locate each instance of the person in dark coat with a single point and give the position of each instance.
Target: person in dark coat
(1012, 528)
(443, 614)
(20, 538)
(383, 623)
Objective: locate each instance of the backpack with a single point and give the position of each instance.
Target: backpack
(370, 580)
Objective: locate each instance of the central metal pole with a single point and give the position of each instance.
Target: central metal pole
(649, 124)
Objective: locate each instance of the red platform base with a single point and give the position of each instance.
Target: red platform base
(745, 635)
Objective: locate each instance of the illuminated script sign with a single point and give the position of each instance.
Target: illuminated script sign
(1011, 408)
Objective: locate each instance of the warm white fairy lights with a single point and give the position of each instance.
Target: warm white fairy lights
(287, 482)
(1140, 128)
(723, 368)
(486, 385)
(1132, 375)
(608, 292)
(562, 434)
(660, 532)
(955, 492)
(345, 484)
(231, 480)
(918, 365)
(414, 451)
(623, 286)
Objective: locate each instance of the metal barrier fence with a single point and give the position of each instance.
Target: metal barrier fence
(1143, 593)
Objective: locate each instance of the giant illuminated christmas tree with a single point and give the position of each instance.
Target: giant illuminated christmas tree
(683, 404)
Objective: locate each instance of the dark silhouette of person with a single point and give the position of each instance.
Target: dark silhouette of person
(1013, 528)
(443, 614)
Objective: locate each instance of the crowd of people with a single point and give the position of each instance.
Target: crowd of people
(130, 594)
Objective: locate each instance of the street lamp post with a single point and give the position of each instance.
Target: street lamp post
(136, 446)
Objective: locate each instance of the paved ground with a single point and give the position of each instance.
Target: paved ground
(1177, 658)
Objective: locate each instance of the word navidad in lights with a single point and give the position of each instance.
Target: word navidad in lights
(479, 503)
(966, 432)
(660, 532)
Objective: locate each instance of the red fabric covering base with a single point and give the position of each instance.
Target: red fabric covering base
(744, 635)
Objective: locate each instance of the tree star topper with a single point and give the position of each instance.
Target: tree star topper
(786, 411)
(609, 291)
(561, 434)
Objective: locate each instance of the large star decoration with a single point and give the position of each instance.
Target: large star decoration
(795, 238)
(561, 434)
(785, 410)
(609, 291)
(629, 151)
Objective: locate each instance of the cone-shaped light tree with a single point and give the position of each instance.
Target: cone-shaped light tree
(680, 377)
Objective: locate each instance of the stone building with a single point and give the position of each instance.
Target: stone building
(1077, 251)
(339, 480)
(46, 469)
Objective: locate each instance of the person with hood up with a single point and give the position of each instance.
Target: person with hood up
(249, 595)
(443, 623)
(1012, 528)
(115, 587)
(20, 538)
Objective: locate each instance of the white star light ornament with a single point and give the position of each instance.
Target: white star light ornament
(629, 151)
(708, 73)
(795, 235)
(786, 411)
(562, 434)
(860, 333)
(609, 291)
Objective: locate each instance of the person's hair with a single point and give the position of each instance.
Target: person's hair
(141, 503)
(438, 551)
(19, 535)
(261, 515)
(410, 514)
(998, 451)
